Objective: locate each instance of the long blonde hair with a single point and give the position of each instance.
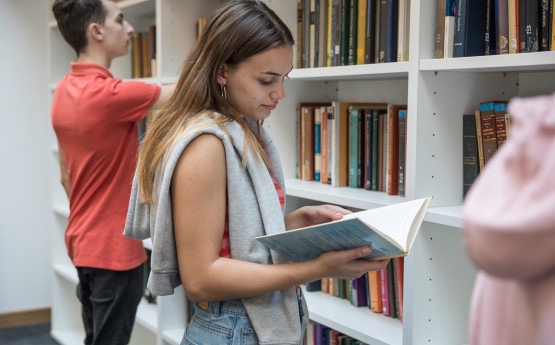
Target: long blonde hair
(235, 32)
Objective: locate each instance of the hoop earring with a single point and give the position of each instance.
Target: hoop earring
(223, 91)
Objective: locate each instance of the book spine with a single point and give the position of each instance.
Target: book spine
(545, 27)
(440, 29)
(353, 146)
(513, 27)
(324, 146)
(449, 36)
(317, 144)
(500, 124)
(532, 25)
(370, 32)
(470, 152)
(361, 32)
(392, 177)
(489, 136)
(392, 30)
(352, 33)
(502, 26)
(368, 113)
(402, 150)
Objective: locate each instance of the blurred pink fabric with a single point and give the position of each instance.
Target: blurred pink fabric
(509, 232)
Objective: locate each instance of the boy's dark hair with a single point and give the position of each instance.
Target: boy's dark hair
(74, 16)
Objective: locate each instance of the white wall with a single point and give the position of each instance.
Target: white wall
(25, 216)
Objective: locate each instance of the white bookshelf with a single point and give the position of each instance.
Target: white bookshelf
(438, 275)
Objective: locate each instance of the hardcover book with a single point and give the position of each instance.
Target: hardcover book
(470, 29)
(471, 166)
(389, 230)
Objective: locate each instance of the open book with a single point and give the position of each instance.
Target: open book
(389, 230)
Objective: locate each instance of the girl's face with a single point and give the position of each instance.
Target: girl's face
(255, 86)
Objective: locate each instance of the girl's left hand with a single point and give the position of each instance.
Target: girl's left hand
(312, 215)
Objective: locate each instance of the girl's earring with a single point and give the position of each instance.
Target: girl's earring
(222, 89)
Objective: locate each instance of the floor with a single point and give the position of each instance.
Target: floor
(27, 335)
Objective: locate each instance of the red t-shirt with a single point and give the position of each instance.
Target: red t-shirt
(95, 119)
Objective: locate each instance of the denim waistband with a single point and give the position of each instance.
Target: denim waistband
(233, 306)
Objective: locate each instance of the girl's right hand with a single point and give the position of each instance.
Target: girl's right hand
(348, 264)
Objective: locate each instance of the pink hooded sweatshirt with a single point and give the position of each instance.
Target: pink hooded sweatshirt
(509, 232)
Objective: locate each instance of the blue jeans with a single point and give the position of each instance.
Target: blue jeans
(109, 301)
(223, 323)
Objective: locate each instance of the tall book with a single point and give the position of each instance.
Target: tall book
(361, 32)
(355, 139)
(470, 29)
(532, 23)
(324, 145)
(300, 34)
(352, 33)
(502, 25)
(392, 28)
(449, 36)
(399, 264)
(471, 166)
(514, 24)
(370, 38)
(546, 12)
(489, 135)
(307, 143)
(403, 31)
(490, 37)
(440, 29)
(392, 151)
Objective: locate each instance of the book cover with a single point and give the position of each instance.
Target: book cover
(440, 29)
(382, 31)
(471, 166)
(469, 28)
(489, 134)
(389, 230)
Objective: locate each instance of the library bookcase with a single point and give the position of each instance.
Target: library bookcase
(438, 275)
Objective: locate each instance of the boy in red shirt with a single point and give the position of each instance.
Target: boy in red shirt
(95, 119)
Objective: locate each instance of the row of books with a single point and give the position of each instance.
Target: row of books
(493, 27)
(351, 32)
(323, 335)
(483, 134)
(356, 144)
(380, 291)
(143, 48)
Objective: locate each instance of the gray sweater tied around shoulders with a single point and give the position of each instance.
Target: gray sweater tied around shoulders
(254, 210)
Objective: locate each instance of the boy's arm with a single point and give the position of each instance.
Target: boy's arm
(64, 176)
(165, 94)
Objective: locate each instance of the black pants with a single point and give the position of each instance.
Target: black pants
(109, 302)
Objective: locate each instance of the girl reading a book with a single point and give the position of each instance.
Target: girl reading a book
(209, 181)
